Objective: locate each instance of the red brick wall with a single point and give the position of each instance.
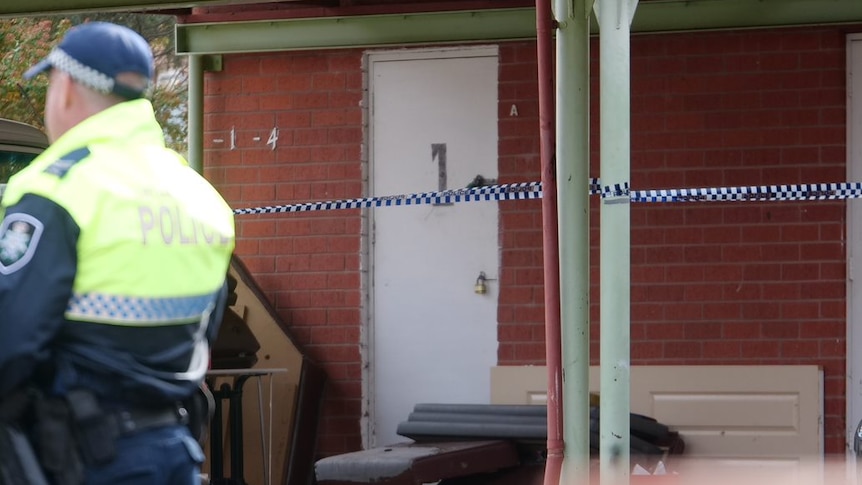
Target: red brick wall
(307, 263)
(712, 283)
(742, 282)
(521, 310)
(718, 283)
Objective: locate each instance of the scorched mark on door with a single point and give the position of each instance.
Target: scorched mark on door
(438, 152)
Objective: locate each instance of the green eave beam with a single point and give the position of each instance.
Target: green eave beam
(358, 31)
(11, 8)
(495, 25)
(681, 15)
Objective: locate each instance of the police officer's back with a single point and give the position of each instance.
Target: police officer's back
(113, 256)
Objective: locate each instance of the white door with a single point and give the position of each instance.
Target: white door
(433, 126)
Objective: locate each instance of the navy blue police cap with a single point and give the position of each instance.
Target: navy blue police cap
(94, 53)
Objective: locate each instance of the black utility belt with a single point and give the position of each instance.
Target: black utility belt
(97, 428)
(67, 434)
(135, 420)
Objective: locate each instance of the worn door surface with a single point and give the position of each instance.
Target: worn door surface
(433, 126)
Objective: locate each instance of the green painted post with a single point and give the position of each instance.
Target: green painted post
(615, 18)
(573, 165)
(196, 112)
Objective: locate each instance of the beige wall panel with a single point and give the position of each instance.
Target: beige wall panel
(737, 413)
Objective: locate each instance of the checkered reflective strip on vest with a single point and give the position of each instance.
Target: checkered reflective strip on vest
(129, 310)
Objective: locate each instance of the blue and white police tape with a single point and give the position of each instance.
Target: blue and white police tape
(533, 190)
(831, 191)
(519, 191)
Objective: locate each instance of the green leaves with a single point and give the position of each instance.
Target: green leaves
(23, 42)
(26, 40)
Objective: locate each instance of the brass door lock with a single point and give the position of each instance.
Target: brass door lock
(480, 288)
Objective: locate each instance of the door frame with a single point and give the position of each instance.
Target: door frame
(369, 59)
(854, 242)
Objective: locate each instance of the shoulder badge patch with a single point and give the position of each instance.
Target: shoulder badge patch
(67, 161)
(19, 236)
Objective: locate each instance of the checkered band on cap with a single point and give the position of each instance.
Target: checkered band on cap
(84, 74)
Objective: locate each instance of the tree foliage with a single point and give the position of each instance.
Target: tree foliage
(26, 40)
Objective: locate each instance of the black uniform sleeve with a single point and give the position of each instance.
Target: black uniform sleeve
(38, 262)
(217, 314)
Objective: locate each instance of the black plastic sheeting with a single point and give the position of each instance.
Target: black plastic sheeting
(452, 422)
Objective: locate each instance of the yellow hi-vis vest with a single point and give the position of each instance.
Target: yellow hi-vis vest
(155, 237)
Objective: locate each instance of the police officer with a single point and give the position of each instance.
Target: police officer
(113, 257)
